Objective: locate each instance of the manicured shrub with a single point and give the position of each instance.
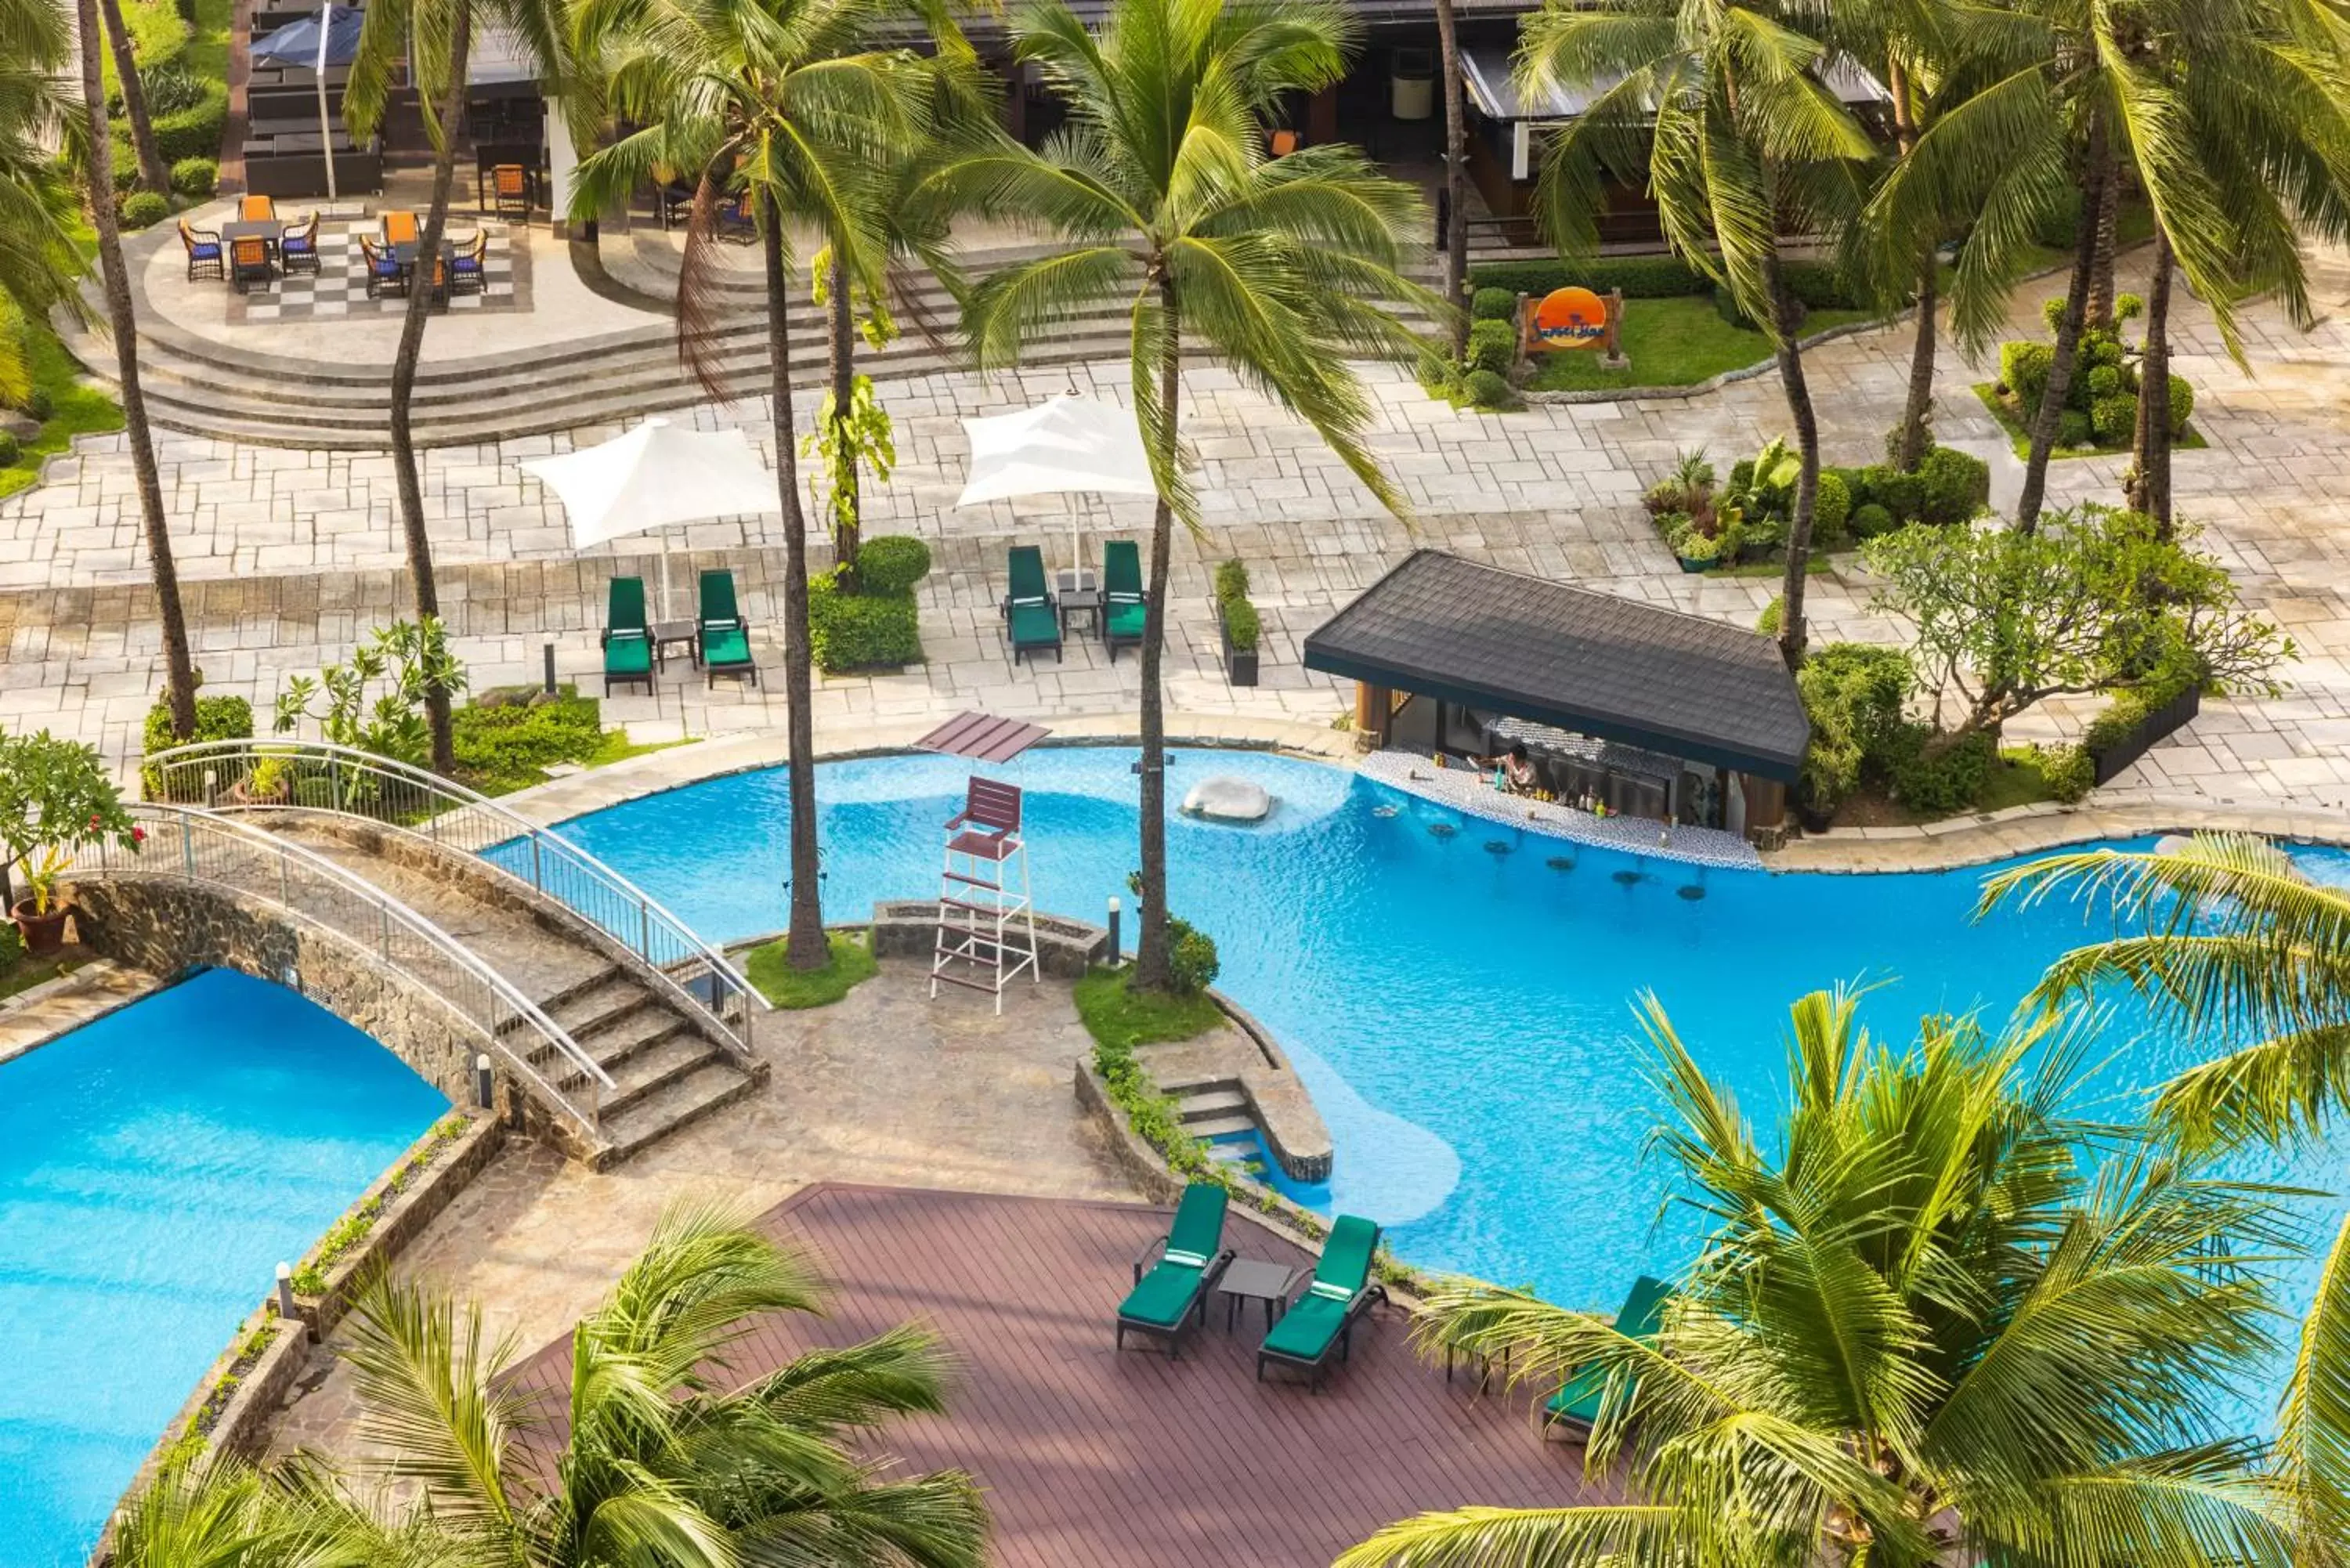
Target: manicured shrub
(1488, 390)
(9, 451)
(1191, 959)
(2113, 419)
(2103, 381)
(197, 177)
(1492, 345)
(892, 564)
(2051, 314)
(2129, 307)
(1869, 519)
(217, 719)
(1830, 507)
(2024, 370)
(194, 132)
(1817, 285)
(2069, 772)
(2099, 346)
(2073, 429)
(1772, 617)
(1231, 578)
(1935, 776)
(2182, 406)
(145, 209)
(1494, 305)
(509, 737)
(1853, 693)
(1641, 277)
(1242, 624)
(1901, 495)
(1953, 486)
(861, 631)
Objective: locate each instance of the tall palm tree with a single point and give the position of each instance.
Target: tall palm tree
(435, 41)
(1923, 1329)
(1162, 186)
(98, 164)
(153, 172)
(776, 102)
(658, 1462)
(1456, 177)
(39, 265)
(2224, 938)
(1722, 111)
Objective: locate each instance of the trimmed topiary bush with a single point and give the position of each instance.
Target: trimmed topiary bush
(1488, 390)
(1242, 624)
(1830, 507)
(2129, 307)
(1773, 615)
(2024, 370)
(1953, 486)
(1492, 345)
(1901, 495)
(1641, 277)
(2074, 430)
(194, 132)
(2113, 419)
(2103, 381)
(197, 177)
(1231, 578)
(1869, 519)
(2069, 772)
(1934, 776)
(145, 209)
(2182, 406)
(1191, 959)
(217, 719)
(891, 563)
(861, 631)
(1493, 304)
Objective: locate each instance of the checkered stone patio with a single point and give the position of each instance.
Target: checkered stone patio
(339, 285)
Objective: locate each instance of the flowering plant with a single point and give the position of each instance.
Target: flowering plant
(56, 798)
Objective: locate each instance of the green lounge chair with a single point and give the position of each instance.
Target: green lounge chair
(1030, 618)
(627, 640)
(1184, 1264)
(1575, 1406)
(1123, 609)
(1323, 1319)
(720, 634)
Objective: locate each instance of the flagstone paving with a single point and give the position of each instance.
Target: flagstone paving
(287, 557)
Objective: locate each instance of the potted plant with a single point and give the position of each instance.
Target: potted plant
(271, 781)
(1238, 625)
(56, 800)
(1698, 551)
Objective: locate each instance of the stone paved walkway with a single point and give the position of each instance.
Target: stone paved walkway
(290, 555)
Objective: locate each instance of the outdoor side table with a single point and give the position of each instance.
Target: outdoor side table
(1080, 601)
(669, 634)
(1253, 1279)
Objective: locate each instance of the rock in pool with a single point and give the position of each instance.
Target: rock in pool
(1227, 799)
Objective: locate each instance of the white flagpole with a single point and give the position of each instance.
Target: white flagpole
(325, 123)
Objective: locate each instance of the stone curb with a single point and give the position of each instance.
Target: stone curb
(451, 1171)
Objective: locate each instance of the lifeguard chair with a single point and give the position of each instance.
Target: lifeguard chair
(987, 931)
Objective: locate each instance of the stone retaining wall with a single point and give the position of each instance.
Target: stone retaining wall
(909, 928)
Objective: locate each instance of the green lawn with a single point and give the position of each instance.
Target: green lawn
(1675, 342)
(78, 409)
(2014, 780)
(849, 965)
(1122, 1019)
(18, 973)
(2011, 420)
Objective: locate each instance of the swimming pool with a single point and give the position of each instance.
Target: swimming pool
(155, 1167)
(1455, 993)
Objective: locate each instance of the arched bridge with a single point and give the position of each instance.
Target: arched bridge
(439, 921)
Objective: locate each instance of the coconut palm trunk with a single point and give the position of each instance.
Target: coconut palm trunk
(804, 943)
(1152, 967)
(1456, 182)
(1790, 355)
(179, 670)
(403, 373)
(2068, 332)
(2100, 307)
(847, 530)
(2154, 394)
(153, 173)
(1917, 409)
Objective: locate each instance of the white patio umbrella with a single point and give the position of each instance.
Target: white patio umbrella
(1068, 445)
(656, 475)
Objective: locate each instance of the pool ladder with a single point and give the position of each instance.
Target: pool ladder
(987, 927)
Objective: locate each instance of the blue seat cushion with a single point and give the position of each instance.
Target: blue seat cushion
(204, 253)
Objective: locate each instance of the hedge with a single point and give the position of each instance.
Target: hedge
(217, 719)
(892, 563)
(1816, 283)
(1492, 345)
(861, 631)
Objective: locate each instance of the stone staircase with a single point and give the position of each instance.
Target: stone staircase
(205, 388)
(665, 1075)
(1212, 1107)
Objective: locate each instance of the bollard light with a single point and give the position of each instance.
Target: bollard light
(482, 1087)
(548, 655)
(284, 1290)
(1112, 929)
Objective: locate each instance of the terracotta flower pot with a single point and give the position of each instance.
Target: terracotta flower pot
(45, 935)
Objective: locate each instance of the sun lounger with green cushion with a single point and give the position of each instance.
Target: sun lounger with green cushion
(627, 640)
(1123, 608)
(1323, 1319)
(1575, 1406)
(720, 632)
(1030, 620)
(1184, 1264)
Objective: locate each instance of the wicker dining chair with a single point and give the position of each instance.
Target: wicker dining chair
(255, 210)
(510, 191)
(204, 256)
(248, 262)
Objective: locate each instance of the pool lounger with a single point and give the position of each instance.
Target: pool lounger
(1575, 1406)
(1323, 1319)
(1184, 1264)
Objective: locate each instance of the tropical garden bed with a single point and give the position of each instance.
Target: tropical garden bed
(2008, 409)
(66, 407)
(849, 965)
(1673, 343)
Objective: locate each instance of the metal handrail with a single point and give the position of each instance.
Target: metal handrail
(344, 780)
(186, 844)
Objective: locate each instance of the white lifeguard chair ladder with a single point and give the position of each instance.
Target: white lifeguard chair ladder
(987, 927)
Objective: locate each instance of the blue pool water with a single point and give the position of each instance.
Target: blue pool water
(155, 1167)
(1456, 993)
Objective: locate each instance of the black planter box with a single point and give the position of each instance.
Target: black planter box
(1240, 665)
(2157, 725)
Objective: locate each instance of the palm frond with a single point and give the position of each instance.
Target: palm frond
(433, 1397)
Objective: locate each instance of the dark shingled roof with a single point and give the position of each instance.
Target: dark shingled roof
(1606, 666)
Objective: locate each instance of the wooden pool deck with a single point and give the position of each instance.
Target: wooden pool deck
(1097, 1459)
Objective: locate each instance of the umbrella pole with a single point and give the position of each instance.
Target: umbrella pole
(664, 580)
(325, 123)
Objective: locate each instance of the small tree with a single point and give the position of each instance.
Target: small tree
(2097, 600)
(56, 799)
(400, 665)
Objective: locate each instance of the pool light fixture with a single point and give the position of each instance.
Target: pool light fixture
(482, 1085)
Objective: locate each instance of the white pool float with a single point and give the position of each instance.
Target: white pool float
(1227, 799)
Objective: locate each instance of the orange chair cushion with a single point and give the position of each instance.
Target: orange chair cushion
(399, 228)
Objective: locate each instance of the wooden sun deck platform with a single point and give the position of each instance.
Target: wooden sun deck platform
(1094, 1459)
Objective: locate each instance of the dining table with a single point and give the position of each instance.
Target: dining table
(269, 230)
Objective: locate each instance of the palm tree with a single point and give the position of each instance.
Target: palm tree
(1722, 111)
(1456, 179)
(657, 1462)
(151, 170)
(98, 164)
(436, 43)
(1924, 1328)
(39, 265)
(1286, 268)
(771, 102)
(2224, 938)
